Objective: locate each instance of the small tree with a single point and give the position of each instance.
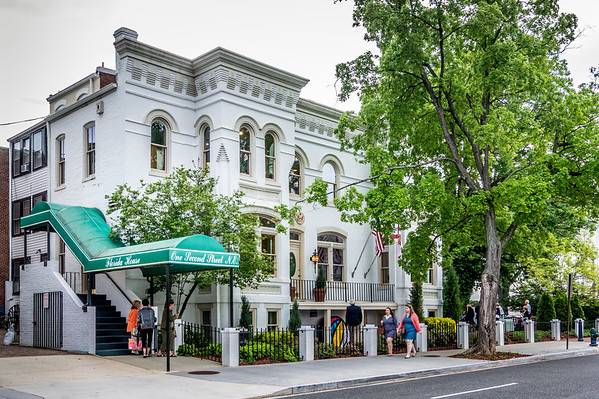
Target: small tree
(245, 320)
(545, 311)
(321, 280)
(416, 298)
(561, 307)
(452, 305)
(577, 312)
(295, 321)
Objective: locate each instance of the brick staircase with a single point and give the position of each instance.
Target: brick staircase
(111, 328)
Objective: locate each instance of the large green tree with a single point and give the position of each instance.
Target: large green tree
(184, 203)
(473, 131)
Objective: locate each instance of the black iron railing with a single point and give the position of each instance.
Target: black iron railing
(270, 345)
(441, 337)
(399, 345)
(73, 279)
(341, 291)
(339, 341)
(201, 341)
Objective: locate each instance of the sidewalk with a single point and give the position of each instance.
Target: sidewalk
(74, 376)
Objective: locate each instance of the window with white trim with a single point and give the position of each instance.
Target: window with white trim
(245, 151)
(272, 320)
(40, 150)
(329, 175)
(90, 149)
(159, 146)
(268, 234)
(430, 275)
(205, 146)
(331, 255)
(295, 177)
(384, 267)
(270, 158)
(60, 160)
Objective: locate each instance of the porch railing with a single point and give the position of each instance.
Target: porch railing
(341, 291)
(73, 279)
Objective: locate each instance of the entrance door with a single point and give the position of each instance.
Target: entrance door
(295, 258)
(47, 320)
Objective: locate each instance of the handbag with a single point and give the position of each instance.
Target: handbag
(134, 332)
(380, 330)
(132, 344)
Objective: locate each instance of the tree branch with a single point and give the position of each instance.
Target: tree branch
(509, 234)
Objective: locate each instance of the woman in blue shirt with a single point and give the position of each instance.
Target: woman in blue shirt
(389, 324)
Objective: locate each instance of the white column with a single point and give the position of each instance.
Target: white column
(306, 343)
(597, 325)
(422, 339)
(579, 327)
(556, 330)
(178, 334)
(529, 331)
(499, 333)
(463, 342)
(370, 340)
(230, 351)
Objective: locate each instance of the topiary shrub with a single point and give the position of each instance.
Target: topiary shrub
(295, 321)
(245, 320)
(545, 312)
(416, 298)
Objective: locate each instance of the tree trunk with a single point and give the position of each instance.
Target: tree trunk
(489, 287)
(193, 288)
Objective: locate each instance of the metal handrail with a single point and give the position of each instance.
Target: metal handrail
(118, 287)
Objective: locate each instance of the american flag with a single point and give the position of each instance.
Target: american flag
(378, 242)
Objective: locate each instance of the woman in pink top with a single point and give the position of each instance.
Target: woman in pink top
(409, 327)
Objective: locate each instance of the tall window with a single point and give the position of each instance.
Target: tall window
(273, 320)
(295, 177)
(430, 275)
(90, 149)
(16, 158)
(158, 147)
(39, 149)
(60, 154)
(61, 256)
(331, 254)
(268, 234)
(385, 267)
(269, 156)
(206, 146)
(245, 151)
(329, 175)
(20, 208)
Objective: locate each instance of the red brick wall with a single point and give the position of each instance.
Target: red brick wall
(106, 79)
(4, 260)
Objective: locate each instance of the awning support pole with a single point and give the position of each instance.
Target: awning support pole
(90, 277)
(151, 291)
(231, 298)
(168, 320)
(47, 245)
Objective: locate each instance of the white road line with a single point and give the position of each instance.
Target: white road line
(475, 390)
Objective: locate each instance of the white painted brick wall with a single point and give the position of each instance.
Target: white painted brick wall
(79, 327)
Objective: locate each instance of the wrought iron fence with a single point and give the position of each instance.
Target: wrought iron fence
(338, 341)
(201, 341)
(515, 335)
(472, 335)
(442, 337)
(271, 345)
(341, 291)
(399, 345)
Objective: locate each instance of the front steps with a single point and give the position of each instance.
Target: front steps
(111, 328)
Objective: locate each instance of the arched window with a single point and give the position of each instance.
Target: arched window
(245, 150)
(295, 177)
(205, 145)
(331, 255)
(158, 148)
(329, 175)
(268, 235)
(269, 156)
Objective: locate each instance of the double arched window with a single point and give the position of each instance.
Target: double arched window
(159, 145)
(270, 157)
(245, 150)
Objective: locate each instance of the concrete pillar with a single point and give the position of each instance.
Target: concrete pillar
(529, 331)
(230, 351)
(579, 328)
(597, 325)
(499, 333)
(556, 330)
(178, 334)
(463, 342)
(370, 340)
(422, 339)
(306, 343)
(327, 326)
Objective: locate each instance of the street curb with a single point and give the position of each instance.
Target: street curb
(325, 386)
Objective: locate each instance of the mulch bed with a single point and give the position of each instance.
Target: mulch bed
(496, 356)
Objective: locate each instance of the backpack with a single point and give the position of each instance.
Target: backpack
(146, 318)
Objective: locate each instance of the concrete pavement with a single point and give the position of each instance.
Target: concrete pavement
(75, 376)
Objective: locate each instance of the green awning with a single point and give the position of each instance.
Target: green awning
(86, 233)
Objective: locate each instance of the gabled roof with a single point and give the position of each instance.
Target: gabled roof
(86, 233)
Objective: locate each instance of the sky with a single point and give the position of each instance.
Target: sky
(48, 45)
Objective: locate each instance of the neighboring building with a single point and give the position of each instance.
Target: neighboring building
(244, 119)
(4, 244)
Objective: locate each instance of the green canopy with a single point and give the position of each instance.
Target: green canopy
(86, 233)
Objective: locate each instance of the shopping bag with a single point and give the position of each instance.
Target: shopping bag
(132, 344)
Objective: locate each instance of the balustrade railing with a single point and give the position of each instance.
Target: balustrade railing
(341, 291)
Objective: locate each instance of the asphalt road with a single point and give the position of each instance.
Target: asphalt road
(569, 378)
